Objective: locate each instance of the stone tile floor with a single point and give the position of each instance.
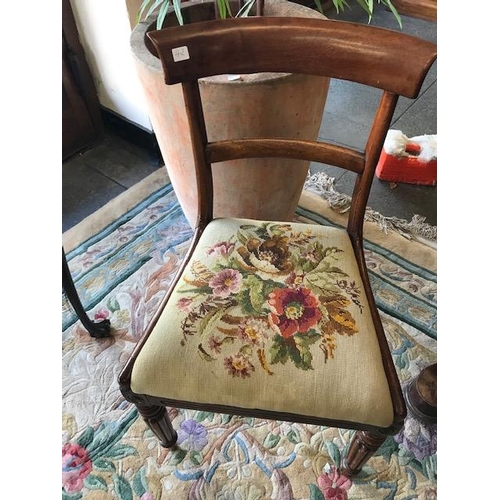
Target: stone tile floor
(93, 177)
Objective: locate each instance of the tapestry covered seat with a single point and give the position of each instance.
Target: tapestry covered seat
(267, 315)
(273, 319)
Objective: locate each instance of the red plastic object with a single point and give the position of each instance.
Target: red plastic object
(407, 169)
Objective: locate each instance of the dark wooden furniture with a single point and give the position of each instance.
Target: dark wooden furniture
(81, 119)
(421, 395)
(421, 9)
(159, 372)
(96, 329)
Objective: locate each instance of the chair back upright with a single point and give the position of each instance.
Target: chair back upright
(392, 61)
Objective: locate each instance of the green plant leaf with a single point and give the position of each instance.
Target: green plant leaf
(387, 448)
(121, 451)
(245, 302)
(104, 465)
(204, 354)
(306, 339)
(395, 13)
(323, 277)
(67, 496)
(122, 488)
(271, 440)
(319, 6)
(255, 286)
(177, 457)
(246, 350)
(245, 9)
(143, 7)
(199, 416)
(113, 305)
(177, 10)
(139, 484)
(301, 355)
(367, 473)
(315, 493)
(162, 13)
(221, 5)
(429, 466)
(365, 5)
(270, 286)
(153, 7)
(303, 342)
(333, 451)
(86, 438)
(196, 457)
(293, 437)
(340, 4)
(225, 418)
(93, 482)
(278, 351)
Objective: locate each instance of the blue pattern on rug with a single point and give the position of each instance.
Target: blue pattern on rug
(122, 248)
(158, 224)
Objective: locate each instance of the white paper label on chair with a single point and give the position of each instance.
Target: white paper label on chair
(180, 54)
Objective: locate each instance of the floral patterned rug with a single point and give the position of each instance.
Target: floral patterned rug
(122, 266)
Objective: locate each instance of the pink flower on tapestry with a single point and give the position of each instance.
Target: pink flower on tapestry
(294, 280)
(76, 466)
(225, 282)
(334, 485)
(215, 344)
(239, 365)
(221, 249)
(293, 310)
(184, 304)
(253, 330)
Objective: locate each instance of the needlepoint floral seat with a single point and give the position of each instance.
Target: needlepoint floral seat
(273, 319)
(261, 309)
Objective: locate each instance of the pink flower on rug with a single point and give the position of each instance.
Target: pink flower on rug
(334, 485)
(101, 314)
(293, 310)
(148, 496)
(226, 282)
(76, 466)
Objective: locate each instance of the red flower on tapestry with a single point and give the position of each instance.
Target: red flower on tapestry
(76, 466)
(293, 310)
(265, 297)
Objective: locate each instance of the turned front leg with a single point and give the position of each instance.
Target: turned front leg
(159, 422)
(363, 446)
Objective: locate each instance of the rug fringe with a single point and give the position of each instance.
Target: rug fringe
(416, 229)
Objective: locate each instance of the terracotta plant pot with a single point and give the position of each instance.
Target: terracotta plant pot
(279, 105)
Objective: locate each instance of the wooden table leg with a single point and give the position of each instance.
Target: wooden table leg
(421, 395)
(96, 329)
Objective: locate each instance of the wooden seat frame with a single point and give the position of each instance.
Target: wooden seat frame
(394, 62)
